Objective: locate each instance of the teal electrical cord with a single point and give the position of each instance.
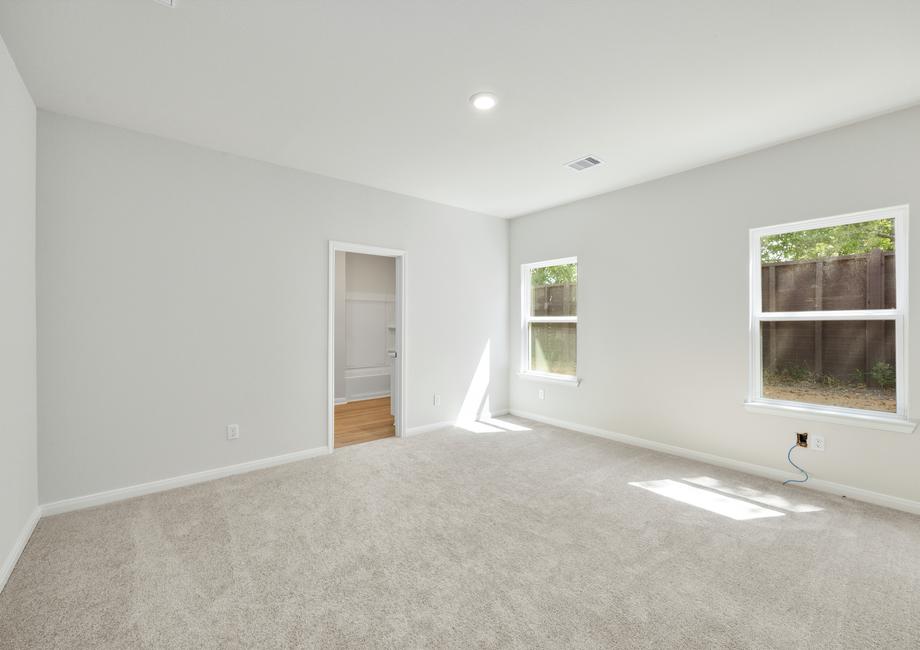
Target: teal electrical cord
(795, 480)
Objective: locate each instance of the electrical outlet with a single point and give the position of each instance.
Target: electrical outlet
(437, 400)
(541, 394)
(817, 443)
(801, 439)
(233, 431)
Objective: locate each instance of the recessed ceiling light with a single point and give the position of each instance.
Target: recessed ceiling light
(484, 101)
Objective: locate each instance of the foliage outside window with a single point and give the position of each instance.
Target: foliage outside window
(550, 317)
(827, 313)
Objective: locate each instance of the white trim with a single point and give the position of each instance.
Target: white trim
(119, 494)
(842, 314)
(828, 410)
(859, 419)
(567, 380)
(552, 319)
(544, 263)
(527, 319)
(448, 424)
(899, 315)
(402, 301)
(820, 485)
(366, 249)
(828, 222)
(361, 397)
(434, 426)
(341, 400)
(357, 372)
(330, 352)
(9, 562)
(902, 262)
(524, 306)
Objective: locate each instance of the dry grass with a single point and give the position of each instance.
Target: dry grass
(854, 397)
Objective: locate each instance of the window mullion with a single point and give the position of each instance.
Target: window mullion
(552, 319)
(851, 314)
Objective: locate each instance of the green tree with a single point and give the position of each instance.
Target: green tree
(549, 275)
(848, 239)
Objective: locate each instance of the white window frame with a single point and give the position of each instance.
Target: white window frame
(527, 319)
(841, 415)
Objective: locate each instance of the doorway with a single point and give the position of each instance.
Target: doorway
(367, 310)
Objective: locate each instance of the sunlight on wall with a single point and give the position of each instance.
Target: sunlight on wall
(476, 404)
(713, 502)
(476, 411)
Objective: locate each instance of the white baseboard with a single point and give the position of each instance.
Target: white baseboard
(425, 428)
(838, 489)
(360, 397)
(9, 562)
(118, 494)
(445, 424)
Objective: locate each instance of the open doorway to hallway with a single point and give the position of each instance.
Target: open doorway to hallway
(366, 327)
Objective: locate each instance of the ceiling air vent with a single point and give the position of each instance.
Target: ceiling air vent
(584, 163)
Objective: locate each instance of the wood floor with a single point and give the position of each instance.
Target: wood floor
(363, 421)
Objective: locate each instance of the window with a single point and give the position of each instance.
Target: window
(549, 309)
(828, 304)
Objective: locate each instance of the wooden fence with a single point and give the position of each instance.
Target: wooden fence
(555, 300)
(829, 348)
(554, 347)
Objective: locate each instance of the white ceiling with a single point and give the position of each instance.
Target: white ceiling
(375, 91)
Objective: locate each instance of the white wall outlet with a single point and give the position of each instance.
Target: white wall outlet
(816, 443)
(233, 431)
(437, 400)
(541, 394)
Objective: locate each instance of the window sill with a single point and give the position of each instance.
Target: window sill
(566, 380)
(879, 422)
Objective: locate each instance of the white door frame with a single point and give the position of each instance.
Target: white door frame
(401, 259)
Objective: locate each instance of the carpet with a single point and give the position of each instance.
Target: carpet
(533, 537)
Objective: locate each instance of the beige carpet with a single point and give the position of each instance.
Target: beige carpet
(503, 539)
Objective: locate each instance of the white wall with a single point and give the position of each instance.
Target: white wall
(18, 483)
(182, 289)
(663, 299)
(371, 274)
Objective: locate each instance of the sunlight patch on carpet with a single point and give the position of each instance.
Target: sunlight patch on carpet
(720, 504)
(765, 498)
